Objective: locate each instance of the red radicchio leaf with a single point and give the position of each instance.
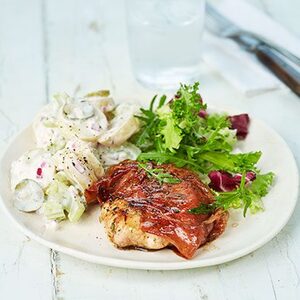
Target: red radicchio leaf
(222, 181)
(202, 113)
(241, 124)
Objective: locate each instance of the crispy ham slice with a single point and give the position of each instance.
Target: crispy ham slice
(162, 208)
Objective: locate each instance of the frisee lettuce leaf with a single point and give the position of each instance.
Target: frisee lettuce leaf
(176, 132)
(246, 196)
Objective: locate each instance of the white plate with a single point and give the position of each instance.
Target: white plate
(87, 240)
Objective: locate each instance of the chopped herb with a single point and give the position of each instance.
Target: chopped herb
(159, 174)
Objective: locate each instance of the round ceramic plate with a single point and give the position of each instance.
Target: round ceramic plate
(88, 241)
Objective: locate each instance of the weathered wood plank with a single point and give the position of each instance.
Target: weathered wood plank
(94, 41)
(24, 264)
(77, 46)
(76, 61)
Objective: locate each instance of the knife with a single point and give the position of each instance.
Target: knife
(284, 64)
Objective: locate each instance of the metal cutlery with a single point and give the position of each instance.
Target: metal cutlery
(284, 64)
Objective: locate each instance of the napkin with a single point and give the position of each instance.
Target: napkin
(238, 67)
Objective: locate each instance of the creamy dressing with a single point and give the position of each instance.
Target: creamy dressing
(36, 165)
(68, 158)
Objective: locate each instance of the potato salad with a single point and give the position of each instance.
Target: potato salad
(76, 139)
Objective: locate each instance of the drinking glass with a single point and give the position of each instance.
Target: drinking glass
(165, 40)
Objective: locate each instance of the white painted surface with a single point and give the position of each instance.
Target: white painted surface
(76, 46)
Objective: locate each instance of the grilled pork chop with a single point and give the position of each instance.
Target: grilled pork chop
(138, 211)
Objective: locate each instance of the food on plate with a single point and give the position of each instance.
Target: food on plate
(28, 195)
(36, 164)
(146, 211)
(183, 132)
(67, 156)
(123, 126)
(166, 176)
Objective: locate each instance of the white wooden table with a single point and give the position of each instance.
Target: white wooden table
(77, 46)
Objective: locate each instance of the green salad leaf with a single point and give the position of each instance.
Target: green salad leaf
(181, 132)
(245, 196)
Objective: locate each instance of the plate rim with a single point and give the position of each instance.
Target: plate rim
(185, 264)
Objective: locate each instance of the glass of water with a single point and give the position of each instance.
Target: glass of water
(165, 41)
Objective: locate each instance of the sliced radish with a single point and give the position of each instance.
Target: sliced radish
(28, 196)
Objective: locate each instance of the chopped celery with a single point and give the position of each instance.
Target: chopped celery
(76, 210)
(63, 197)
(53, 210)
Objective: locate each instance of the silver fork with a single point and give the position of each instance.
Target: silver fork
(280, 61)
